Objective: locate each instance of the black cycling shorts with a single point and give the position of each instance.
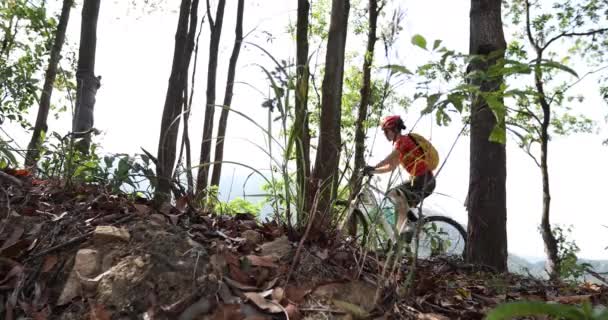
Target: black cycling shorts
(421, 187)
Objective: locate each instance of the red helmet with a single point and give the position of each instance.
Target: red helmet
(392, 122)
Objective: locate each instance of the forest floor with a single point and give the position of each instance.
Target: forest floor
(88, 254)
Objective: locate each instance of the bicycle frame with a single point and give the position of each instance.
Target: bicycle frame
(357, 203)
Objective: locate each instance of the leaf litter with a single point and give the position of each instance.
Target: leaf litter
(178, 263)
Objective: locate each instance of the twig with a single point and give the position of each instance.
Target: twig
(596, 275)
(322, 310)
(60, 246)
(315, 203)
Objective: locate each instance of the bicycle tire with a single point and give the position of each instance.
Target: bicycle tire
(451, 222)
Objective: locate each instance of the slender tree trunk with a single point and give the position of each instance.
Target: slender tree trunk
(366, 91)
(328, 152)
(41, 126)
(487, 232)
(87, 83)
(219, 144)
(214, 43)
(174, 98)
(552, 264)
(301, 122)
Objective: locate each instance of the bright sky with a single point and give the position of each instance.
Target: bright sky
(134, 54)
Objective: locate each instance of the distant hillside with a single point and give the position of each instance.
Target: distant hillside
(517, 264)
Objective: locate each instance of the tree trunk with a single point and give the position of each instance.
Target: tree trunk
(219, 145)
(174, 98)
(301, 129)
(366, 91)
(87, 82)
(328, 151)
(487, 232)
(216, 32)
(552, 264)
(41, 126)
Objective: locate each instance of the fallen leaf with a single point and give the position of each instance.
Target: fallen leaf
(227, 312)
(293, 312)
(49, 262)
(354, 310)
(226, 295)
(98, 312)
(15, 249)
(240, 286)
(174, 218)
(263, 303)
(296, 294)
(13, 238)
(261, 261)
(237, 274)
(572, 299)
(181, 204)
(278, 294)
(431, 316)
(142, 209)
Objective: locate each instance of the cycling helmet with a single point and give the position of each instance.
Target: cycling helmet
(392, 122)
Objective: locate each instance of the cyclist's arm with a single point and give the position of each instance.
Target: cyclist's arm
(388, 164)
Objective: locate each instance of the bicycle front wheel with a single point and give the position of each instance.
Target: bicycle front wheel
(440, 235)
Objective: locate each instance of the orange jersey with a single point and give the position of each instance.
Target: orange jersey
(411, 156)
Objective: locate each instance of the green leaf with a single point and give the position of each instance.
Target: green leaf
(498, 108)
(436, 44)
(530, 308)
(123, 166)
(397, 69)
(456, 100)
(556, 65)
(430, 103)
(419, 41)
(498, 134)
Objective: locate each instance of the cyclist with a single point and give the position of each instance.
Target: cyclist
(411, 156)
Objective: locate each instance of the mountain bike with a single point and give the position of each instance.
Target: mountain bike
(376, 213)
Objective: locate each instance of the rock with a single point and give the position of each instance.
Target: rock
(277, 249)
(253, 237)
(110, 259)
(87, 264)
(106, 234)
(120, 288)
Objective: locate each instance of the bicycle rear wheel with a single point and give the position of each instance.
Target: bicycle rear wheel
(440, 235)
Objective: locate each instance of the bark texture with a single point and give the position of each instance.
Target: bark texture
(487, 231)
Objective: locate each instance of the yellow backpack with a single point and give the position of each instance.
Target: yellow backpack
(430, 153)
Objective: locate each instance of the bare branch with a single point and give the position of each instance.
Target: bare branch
(572, 34)
(529, 27)
(514, 124)
(576, 82)
(211, 22)
(527, 112)
(525, 146)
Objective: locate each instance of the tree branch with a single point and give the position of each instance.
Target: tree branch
(529, 27)
(525, 146)
(576, 82)
(527, 112)
(210, 16)
(572, 34)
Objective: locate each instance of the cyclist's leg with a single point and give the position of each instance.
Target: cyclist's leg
(423, 186)
(400, 197)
